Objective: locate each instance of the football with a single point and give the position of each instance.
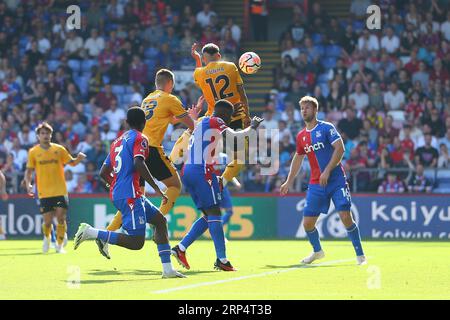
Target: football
(249, 62)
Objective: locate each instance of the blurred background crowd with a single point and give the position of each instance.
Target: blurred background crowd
(386, 90)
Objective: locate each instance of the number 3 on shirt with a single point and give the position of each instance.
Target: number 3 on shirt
(118, 159)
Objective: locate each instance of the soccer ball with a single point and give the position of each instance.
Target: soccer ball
(249, 62)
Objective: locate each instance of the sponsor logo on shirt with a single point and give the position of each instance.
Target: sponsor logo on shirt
(314, 147)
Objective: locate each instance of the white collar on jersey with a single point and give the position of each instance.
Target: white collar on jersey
(318, 122)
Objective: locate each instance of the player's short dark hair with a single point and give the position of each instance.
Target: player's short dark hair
(162, 76)
(44, 125)
(135, 116)
(224, 105)
(210, 48)
(309, 99)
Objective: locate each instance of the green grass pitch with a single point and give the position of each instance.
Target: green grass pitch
(267, 270)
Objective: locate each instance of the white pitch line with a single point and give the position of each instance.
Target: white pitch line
(211, 283)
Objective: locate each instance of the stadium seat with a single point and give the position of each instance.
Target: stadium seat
(357, 26)
(52, 65)
(317, 38)
(325, 89)
(105, 79)
(55, 53)
(443, 175)
(83, 84)
(151, 53)
(127, 98)
(430, 173)
(118, 89)
(150, 63)
(329, 62)
(322, 78)
(333, 51)
(86, 65)
(75, 65)
(23, 42)
(320, 49)
(128, 89)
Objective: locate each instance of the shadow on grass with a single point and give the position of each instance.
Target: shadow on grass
(26, 254)
(307, 266)
(97, 272)
(17, 249)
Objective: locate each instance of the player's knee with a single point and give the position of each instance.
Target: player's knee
(138, 243)
(308, 225)
(346, 218)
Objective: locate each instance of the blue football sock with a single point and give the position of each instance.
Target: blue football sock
(164, 252)
(226, 217)
(52, 235)
(314, 239)
(353, 234)
(216, 231)
(108, 236)
(198, 228)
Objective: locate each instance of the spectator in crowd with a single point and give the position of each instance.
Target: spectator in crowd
(390, 42)
(350, 125)
(391, 185)
(103, 99)
(115, 116)
(418, 182)
(73, 46)
(359, 99)
(368, 42)
(94, 45)
(204, 16)
(233, 28)
(259, 15)
(19, 154)
(394, 99)
(427, 155)
(97, 154)
(444, 157)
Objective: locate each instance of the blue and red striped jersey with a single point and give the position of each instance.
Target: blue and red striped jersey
(317, 145)
(203, 141)
(123, 150)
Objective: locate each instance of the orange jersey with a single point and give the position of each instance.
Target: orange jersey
(219, 80)
(160, 107)
(49, 167)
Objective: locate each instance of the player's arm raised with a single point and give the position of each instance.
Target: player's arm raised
(196, 55)
(296, 164)
(142, 169)
(254, 124)
(336, 158)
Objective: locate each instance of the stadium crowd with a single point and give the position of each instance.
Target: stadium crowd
(386, 90)
(82, 81)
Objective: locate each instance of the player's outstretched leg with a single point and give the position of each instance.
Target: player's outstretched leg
(353, 234)
(115, 224)
(161, 238)
(309, 223)
(216, 230)
(197, 229)
(85, 232)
